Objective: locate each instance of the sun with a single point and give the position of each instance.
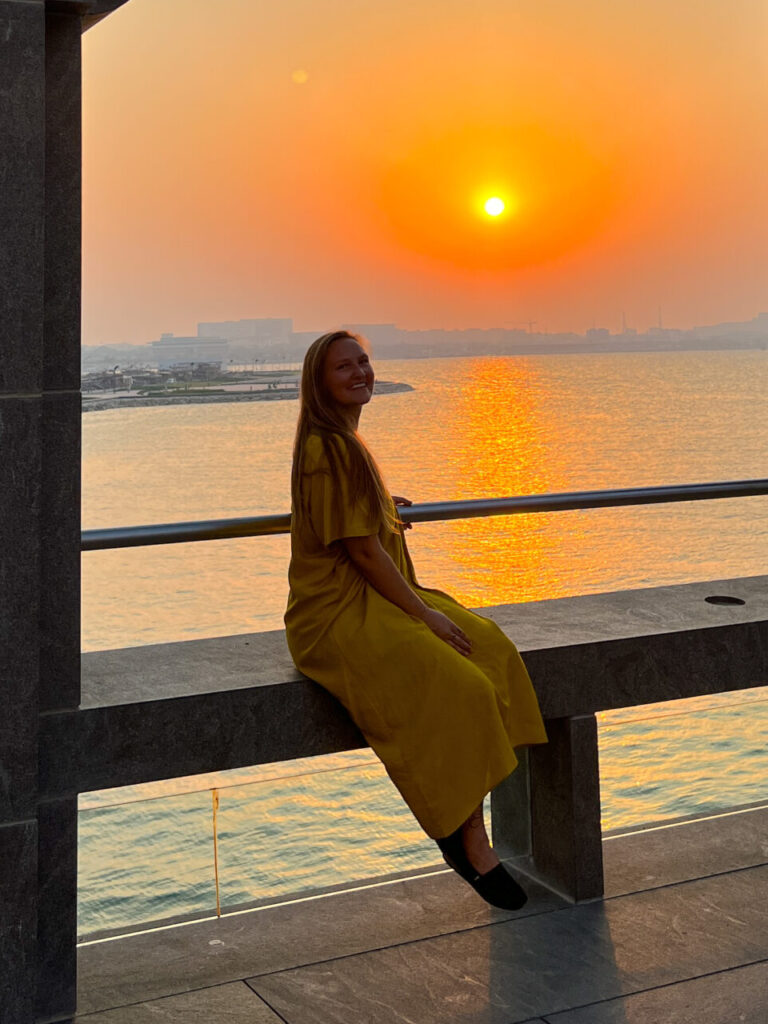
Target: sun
(494, 206)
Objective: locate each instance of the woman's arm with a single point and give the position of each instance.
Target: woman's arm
(377, 567)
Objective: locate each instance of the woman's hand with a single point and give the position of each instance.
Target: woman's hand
(402, 501)
(447, 630)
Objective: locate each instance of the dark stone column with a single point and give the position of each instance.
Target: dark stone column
(22, 161)
(57, 911)
(40, 181)
(549, 816)
(60, 486)
(60, 503)
(18, 920)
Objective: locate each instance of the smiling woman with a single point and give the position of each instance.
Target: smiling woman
(440, 693)
(348, 373)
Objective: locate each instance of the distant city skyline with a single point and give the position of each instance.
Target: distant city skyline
(252, 340)
(334, 159)
(265, 328)
(529, 327)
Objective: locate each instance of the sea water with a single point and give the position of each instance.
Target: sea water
(472, 427)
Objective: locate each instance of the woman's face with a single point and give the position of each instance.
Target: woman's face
(348, 374)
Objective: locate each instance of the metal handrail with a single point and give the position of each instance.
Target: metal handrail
(262, 526)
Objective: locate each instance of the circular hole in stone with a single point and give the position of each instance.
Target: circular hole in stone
(723, 599)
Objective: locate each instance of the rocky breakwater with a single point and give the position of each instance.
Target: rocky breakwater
(259, 393)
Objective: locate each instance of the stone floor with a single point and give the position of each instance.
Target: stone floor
(681, 938)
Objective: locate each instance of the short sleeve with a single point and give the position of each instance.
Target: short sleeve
(332, 514)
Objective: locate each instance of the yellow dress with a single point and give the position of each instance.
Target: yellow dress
(444, 725)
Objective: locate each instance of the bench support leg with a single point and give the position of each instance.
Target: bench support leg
(547, 813)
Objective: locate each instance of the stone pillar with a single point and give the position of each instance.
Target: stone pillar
(57, 910)
(22, 184)
(548, 812)
(40, 175)
(511, 812)
(60, 503)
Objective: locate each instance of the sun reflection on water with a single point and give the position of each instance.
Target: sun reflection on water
(471, 428)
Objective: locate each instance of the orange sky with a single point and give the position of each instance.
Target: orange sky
(327, 160)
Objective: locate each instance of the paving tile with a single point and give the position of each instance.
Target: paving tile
(144, 967)
(685, 850)
(135, 968)
(224, 1004)
(739, 996)
(519, 970)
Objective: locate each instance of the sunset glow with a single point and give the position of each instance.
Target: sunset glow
(330, 162)
(494, 206)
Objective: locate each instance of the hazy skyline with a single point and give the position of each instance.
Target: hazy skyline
(327, 160)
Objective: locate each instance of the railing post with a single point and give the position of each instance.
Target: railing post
(547, 813)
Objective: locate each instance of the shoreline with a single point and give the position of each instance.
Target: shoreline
(383, 387)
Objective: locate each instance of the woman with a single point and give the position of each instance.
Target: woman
(440, 693)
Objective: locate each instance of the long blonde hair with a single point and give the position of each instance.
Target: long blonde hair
(347, 456)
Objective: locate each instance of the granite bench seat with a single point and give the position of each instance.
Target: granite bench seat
(168, 710)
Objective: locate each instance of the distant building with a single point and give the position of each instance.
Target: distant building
(268, 334)
(598, 332)
(196, 371)
(171, 350)
(106, 380)
(669, 333)
(756, 328)
(379, 335)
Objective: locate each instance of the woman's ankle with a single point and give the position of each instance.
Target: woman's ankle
(477, 847)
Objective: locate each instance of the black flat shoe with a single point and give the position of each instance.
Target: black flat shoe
(496, 886)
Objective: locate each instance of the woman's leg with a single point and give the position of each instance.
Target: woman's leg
(477, 845)
(469, 853)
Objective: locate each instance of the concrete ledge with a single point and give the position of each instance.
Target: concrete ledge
(120, 745)
(580, 624)
(202, 705)
(205, 705)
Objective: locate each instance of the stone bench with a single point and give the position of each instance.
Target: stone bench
(167, 710)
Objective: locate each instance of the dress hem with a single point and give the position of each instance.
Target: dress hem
(441, 833)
